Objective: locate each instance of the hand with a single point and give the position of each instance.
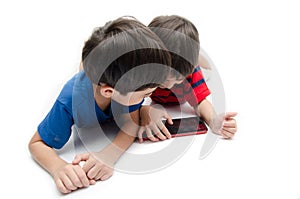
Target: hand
(225, 125)
(97, 166)
(70, 177)
(151, 121)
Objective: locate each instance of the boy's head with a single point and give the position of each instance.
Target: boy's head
(181, 38)
(125, 55)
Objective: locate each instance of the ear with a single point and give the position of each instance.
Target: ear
(81, 66)
(105, 91)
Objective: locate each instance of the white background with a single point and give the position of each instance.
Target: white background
(255, 46)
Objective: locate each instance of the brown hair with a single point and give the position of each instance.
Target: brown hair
(126, 55)
(181, 38)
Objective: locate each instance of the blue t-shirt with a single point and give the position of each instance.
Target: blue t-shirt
(76, 105)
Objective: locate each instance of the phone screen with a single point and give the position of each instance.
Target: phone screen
(192, 125)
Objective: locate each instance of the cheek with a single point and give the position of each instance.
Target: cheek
(127, 100)
(135, 100)
(168, 84)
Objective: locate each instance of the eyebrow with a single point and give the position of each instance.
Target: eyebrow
(180, 79)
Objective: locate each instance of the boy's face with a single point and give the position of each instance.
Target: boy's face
(132, 98)
(170, 82)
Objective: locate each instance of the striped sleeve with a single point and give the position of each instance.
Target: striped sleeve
(195, 88)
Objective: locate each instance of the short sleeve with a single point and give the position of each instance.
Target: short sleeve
(195, 88)
(55, 129)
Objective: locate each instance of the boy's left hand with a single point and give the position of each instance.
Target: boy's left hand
(225, 125)
(97, 166)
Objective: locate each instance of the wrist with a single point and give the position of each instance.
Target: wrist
(110, 155)
(216, 124)
(56, 167)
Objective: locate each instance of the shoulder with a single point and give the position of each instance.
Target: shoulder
(69, 89)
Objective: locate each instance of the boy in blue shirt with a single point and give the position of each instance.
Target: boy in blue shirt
(123, 63)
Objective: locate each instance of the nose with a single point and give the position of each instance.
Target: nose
(167, 85)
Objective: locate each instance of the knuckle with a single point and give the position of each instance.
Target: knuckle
(66, 169)
(77, 156)
(81, 175)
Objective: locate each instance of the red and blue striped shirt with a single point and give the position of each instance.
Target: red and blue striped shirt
(193, 90)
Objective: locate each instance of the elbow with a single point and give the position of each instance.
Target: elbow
(33, 141)
(30, 145)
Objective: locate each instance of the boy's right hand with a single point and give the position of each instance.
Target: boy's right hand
(97, 166)
(151, 123)
(70, 177)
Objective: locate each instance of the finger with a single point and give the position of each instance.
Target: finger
(230, 114)
(92, 182)
(230, 130)
(157, 132)
(80, 157)
(164, 130)
(61, 187)
(150, 135)
(94, 171)
(225, 134)
(74, 178)
(140, 134)
(231, 123)
(88, 165)
(68, 183)
(82, 176)
(106, 176)
(168, 118)
(100, 174)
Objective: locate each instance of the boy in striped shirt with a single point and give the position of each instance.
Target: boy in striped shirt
(185, 83)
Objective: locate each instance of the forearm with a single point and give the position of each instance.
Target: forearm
(118, 146)
(124, 139)
(203, 62)
(205, 110)
(44, 155)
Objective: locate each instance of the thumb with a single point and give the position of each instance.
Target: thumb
(168, 117)
(80, 157)
(230, 114)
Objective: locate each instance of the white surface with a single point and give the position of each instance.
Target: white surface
(255, 46)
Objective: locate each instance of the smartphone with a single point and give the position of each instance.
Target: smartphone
(185, 126)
